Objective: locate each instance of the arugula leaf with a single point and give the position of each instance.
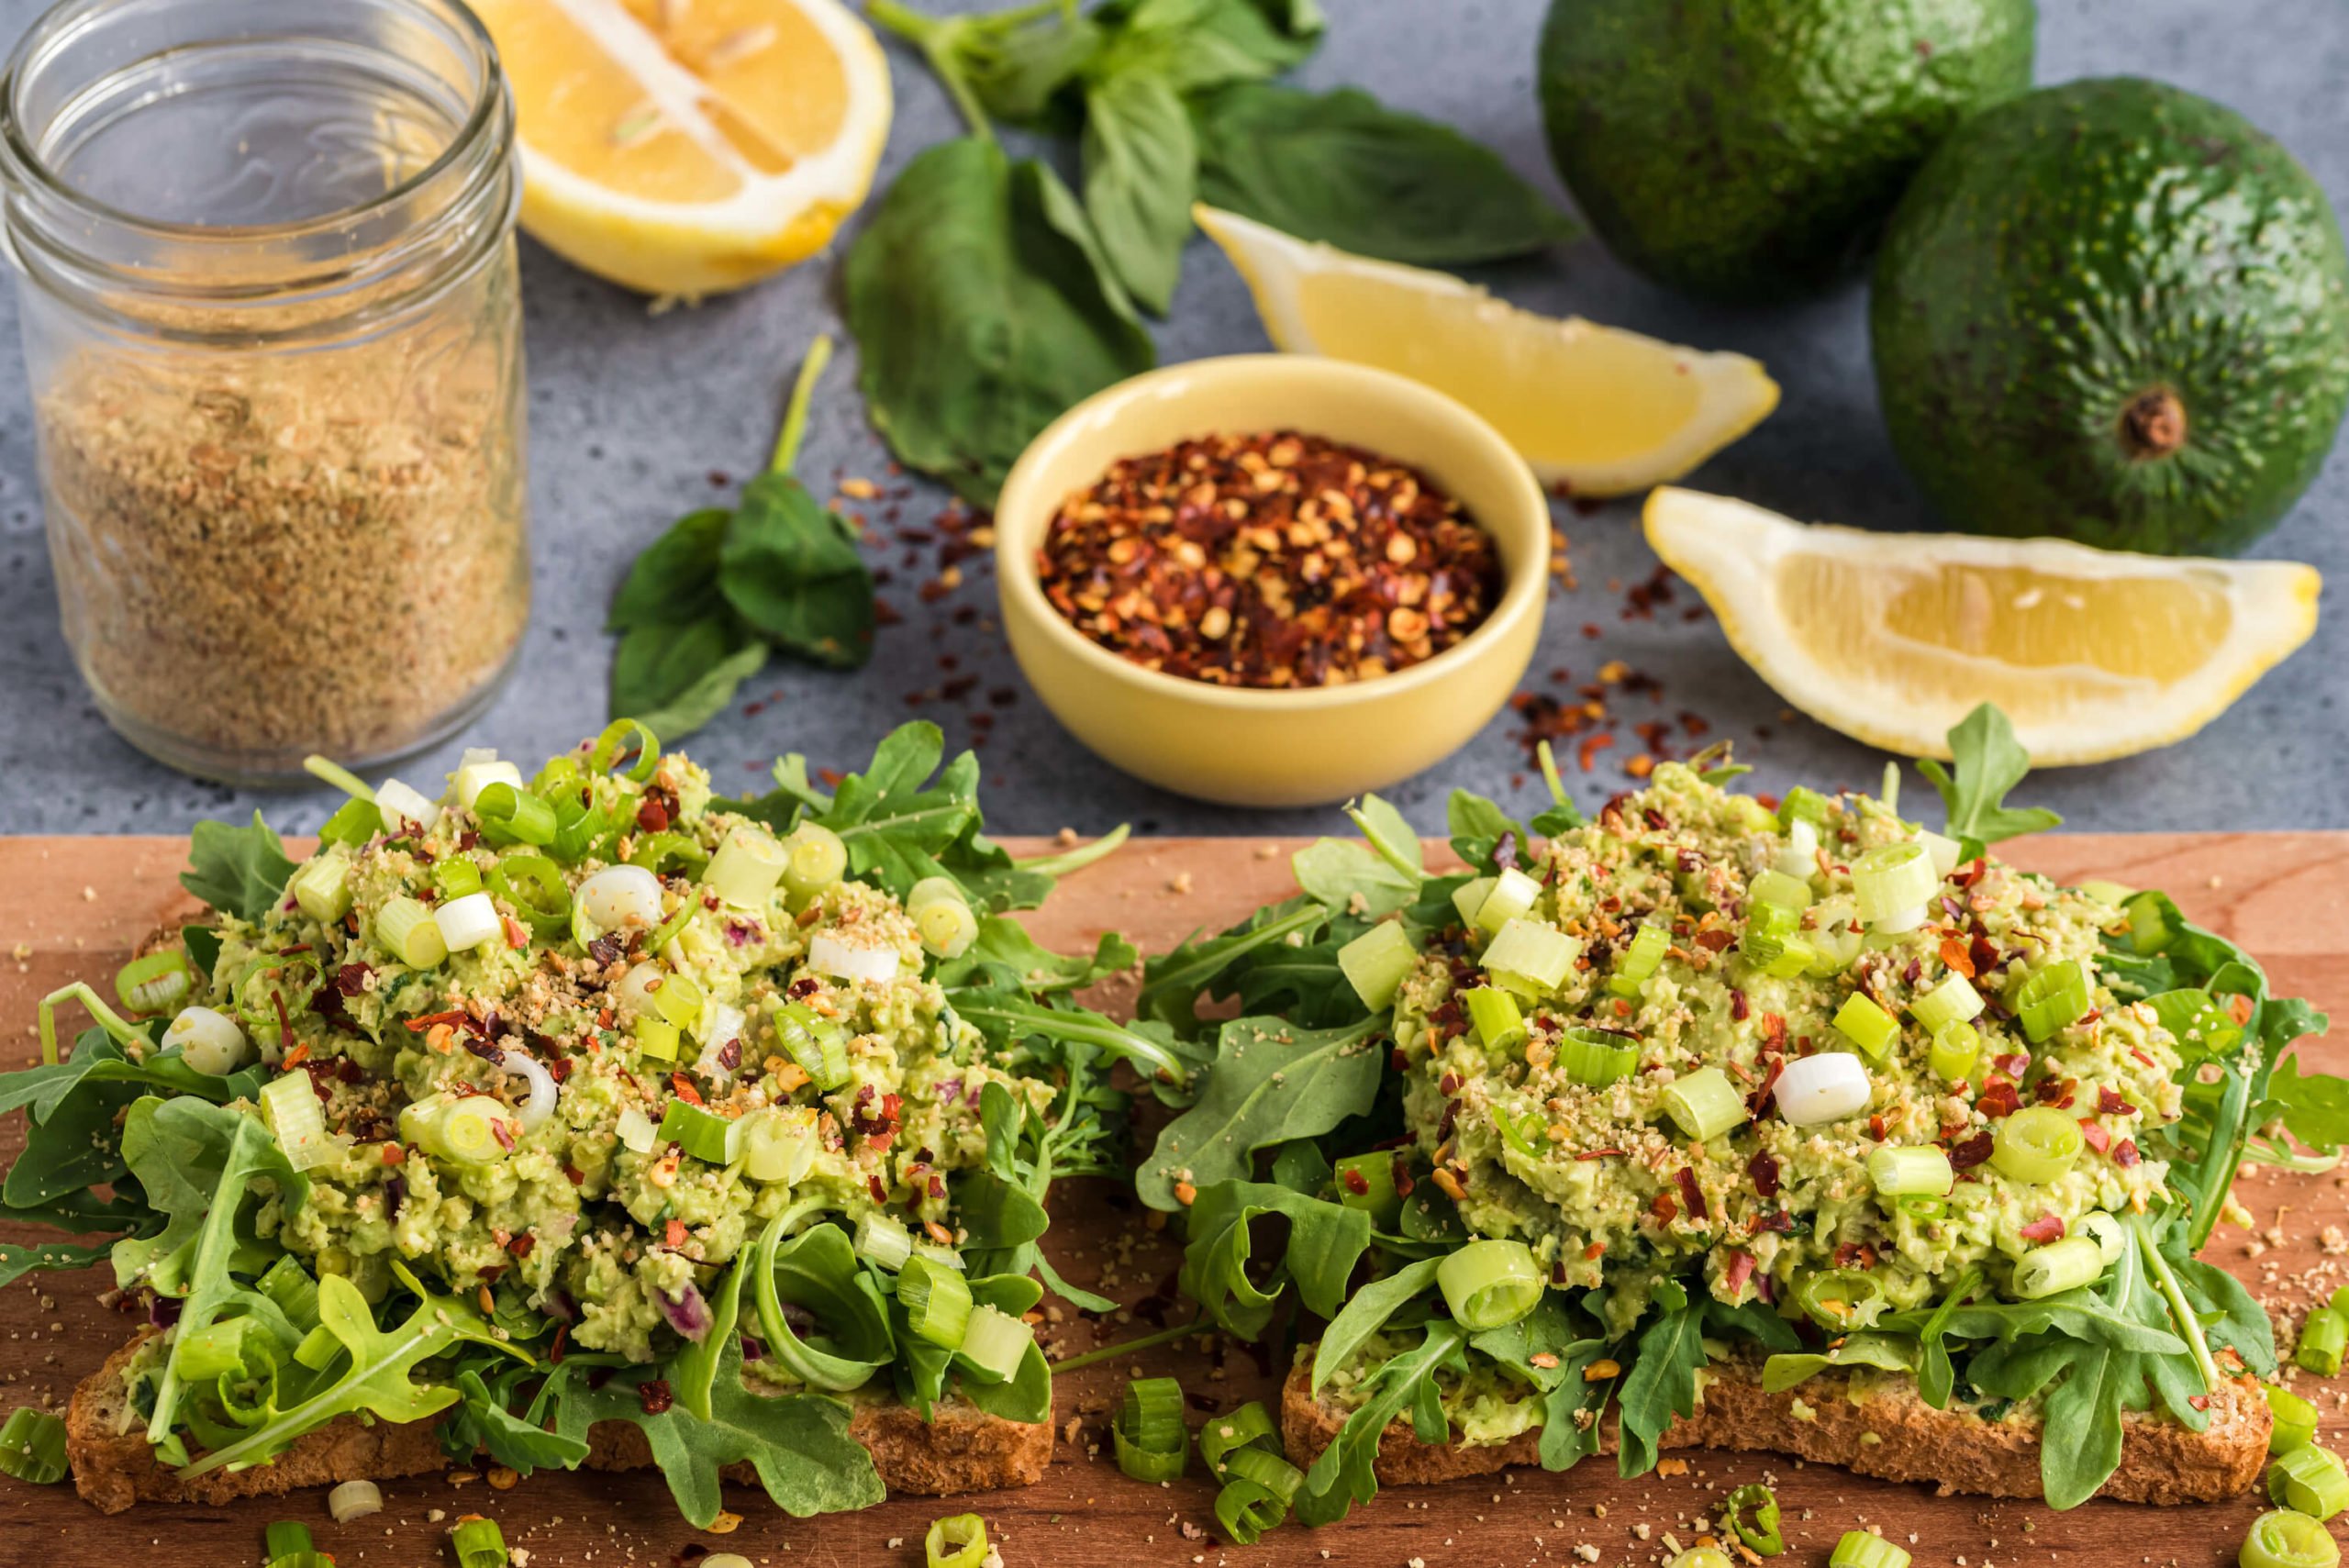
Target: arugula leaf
(1661, 1378)
(982, 308)
(2315, 1108)
(1005, 955)
(797, 1443)
(19, 1259)
(1325, 1242)
(1366, 1312)
(1271, 1081)
(237, 871)
(1344, 169)
(1345, 1474)
(1140, 165)
(1346, 878)
(1987, 762)
(1890, 1352)
(2080, 1447)
(693, 1370)
(1478, 829)
(481, 1422)
(1173, 982)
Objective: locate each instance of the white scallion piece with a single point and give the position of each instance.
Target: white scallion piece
(1822, 1088)
(476, 770)
(208, 1040)
(621, 896)
(354, 1500)
(746, 868)
(1801, 857)
(883, 1240)
(399, 803)
(468, 922)
(635, 1131)
(830, 955)
(543, 1093)
(1943, 850)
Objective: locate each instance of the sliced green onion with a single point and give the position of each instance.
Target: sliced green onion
(1793, 956)
(353, 823)
(1470, 896)
(779, 1143)
(321, 889)
(1494, 1013)
(959, 1540)
(2310, 1480)
(632, 1127)
(1246, 1510)
(993, 1344)
(1703, 1557)
(289, 1284)
(318, 1349)
(1953, 1001)
(286, 1538)
(1761, 1504)
(815, 857)
(2322, 1338)
(32, 1445)
(1955, 1051)
(2283, 1540)
(214, 1351)
(2149, 927)
(946, 926)
(476, 1541)
(533, 884)
(1377, 962)
(474, 1130)
(622, 738)
(1512, 897)
(936, 1300)
(1867, 1026)
(509, 813)
(680, 999)
(455, 878)
(1900, 1173)
(1151, 1442)
(700, 1132)
(1488, 1283)
(2051, 997)
(2059, 1265)
(2036, 1144)
(1367, 1182)
(289, 1105)
(1839, 1300)
(883, 1240)
(152, 983)
(1250, 1425)
(1640, 960)
(1891, 882)
(1705, 1103)
(354, 1500)
(661, 854)
(405, 928)
(1266, 1469)
(1766, 923)
(2106, 1232)
(656, 1037)
(816, 1044)
(2295, 1419)
(1802, 804)
(2339, 1300)
(1775, 888)
(1594, 1059)
(1858, 1548)
(1528, 954)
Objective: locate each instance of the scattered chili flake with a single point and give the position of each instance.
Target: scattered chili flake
(1663, 1209)
(2110, 1103)
(1997, 1099)
(684, 1087)
(2094, 1134)
(1272, 558)
(2047, 1227)
(1763, 1169)
(2125, 1154)
(673, 1234)
(1691, 1194)
(1595, 1252)
(1740, 1270)
(1972, 1152)
(655, 1393)
(520, 1246)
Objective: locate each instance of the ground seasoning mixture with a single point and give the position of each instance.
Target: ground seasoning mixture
(277, 555)
(1268, 560)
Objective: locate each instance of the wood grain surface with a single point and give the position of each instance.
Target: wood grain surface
(75, 906)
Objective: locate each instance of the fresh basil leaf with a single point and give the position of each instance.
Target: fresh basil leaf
(790, 568)
(675, 677)
(1344, 169)
(982, 310)
(676, 580)
(237, 871)
(1198, 44)
(1271, 1083)
(1010, 64)
(1140, 167)
(1987, 762)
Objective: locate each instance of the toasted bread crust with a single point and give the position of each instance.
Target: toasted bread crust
(1886, 1431)
(963, 1450)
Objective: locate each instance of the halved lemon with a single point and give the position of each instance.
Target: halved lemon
(1601, 411)
(1894, 638)
(688, 147)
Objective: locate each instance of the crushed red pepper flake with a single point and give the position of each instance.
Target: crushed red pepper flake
(1268, 560)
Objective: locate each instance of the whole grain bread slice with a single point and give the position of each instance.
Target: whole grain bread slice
(963, 1450)
(1883, 1428)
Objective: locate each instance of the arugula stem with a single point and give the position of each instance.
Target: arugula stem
(1068, 1026)
(795, 413)
(2302, 1164)
(935, 36)
(2189, 1326)
(1099, 1354)
(342, 778)
(107, 1018)
(1078, 858)
(1550, 772)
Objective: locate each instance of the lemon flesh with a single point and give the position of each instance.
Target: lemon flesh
(1894, 638)
(1595, 409)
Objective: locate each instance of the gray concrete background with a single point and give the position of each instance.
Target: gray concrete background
(631, 414)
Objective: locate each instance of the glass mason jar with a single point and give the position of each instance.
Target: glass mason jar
(270, 316)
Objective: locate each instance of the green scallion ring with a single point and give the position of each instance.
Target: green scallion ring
(1490, 1284)
(1250, 1425)
(959, 1540)
(32, 1445)
(1858, 1548)
(476, 1542)
(2310, 1480)
(534, 886)
(152, 983)
(1246, 1510)
(2295, 1420)
(285, 1538)
(1760, 1505)
(1267, 1470)
(618, 741)
(2283, 1540)
(1151, 1442)
(515, 816)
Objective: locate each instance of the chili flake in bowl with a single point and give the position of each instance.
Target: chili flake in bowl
(1272, 558)
(1319, 578)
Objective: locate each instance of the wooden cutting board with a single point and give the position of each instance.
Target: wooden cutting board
(75, 906)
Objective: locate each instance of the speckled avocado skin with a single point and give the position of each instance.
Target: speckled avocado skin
(2116, 311)
(1749, 150)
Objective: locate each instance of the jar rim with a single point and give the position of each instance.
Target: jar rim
(80, 232)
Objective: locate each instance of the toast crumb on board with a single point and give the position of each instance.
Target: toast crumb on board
(963, 1450)
(2160, 1461)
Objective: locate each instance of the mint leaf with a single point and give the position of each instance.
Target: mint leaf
(1988, 761)
(237, 871)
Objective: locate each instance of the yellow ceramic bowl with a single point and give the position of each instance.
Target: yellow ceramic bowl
(1247, 747)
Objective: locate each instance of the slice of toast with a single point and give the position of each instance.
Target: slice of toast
(964, 1449)
(1884, 1430)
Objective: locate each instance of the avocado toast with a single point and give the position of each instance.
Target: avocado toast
(1717, 1121)
(583, 1120)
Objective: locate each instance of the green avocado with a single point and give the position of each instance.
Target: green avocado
(1750, 149)
(2115, 311)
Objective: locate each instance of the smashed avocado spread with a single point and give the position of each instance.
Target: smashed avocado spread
(537, 1103)
(1712, 1079)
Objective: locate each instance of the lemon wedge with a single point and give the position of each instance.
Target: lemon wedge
(688, 147)
(1598, 410)
(1894, 638)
